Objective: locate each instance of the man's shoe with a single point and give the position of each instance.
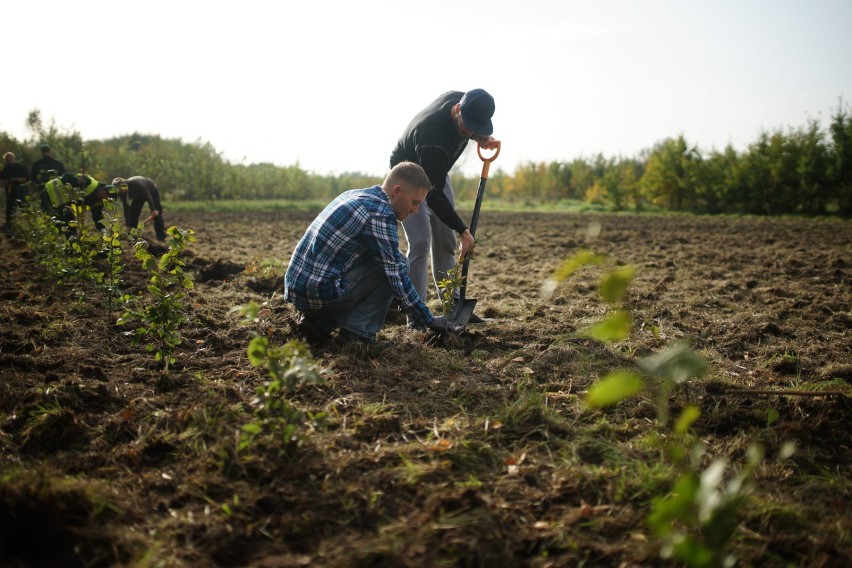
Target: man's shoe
(346, 336)
(312, 331)
(475, 319)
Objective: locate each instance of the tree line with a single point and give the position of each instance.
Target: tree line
(802, 170)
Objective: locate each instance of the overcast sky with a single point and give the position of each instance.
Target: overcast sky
(331, 84)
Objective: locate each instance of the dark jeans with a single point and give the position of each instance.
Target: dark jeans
(14, 198)
(134, 209)
(364, 304)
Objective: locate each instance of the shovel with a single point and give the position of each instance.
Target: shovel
(464, 307)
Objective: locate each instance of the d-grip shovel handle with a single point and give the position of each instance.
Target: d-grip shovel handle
(486, 162)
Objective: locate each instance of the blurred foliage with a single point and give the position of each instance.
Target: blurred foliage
(803, 170)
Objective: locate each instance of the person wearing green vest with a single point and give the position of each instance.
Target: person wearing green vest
(57, 195)
(61, 192)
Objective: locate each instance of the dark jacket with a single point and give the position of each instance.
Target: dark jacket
(42, 166)
(432, 140)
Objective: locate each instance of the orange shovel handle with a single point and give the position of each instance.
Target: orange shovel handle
(486, 162)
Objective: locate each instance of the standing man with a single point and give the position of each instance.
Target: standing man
(140, 190)
(435, 139)
(347, 268)
(14, 177)
(44, 169)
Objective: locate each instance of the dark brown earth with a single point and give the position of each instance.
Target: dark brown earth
(469, 451)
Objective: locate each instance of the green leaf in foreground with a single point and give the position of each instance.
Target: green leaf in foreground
(677, 364)
(689, 415)
(615, 327)
(613, 388)
(257, 350)
(578, 260)
(614, 285)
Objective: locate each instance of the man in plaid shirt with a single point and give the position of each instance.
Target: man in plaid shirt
(347, 268)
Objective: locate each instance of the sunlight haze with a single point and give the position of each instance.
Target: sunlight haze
(331, 85)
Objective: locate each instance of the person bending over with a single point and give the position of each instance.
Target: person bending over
(84, 189)
(435, 138)
(135, 192)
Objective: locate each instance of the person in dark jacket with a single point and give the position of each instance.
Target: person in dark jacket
(14, 177)
(135, 192)
(435, 138)
(44, 169)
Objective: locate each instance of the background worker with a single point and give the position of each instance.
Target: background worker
(43, 170)
(14, 178)
(140, 190)
(435, 138)
(347, 268)
(60, 195)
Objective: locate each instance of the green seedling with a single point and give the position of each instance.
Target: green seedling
(162, 312)
(114, 256)
(450, 286)
(287, 366)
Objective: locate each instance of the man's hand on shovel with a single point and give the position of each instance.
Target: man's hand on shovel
(466, 245)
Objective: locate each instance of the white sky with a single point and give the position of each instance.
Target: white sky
(331, 84)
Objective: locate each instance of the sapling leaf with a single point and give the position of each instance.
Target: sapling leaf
(613, 388)
(578, 260)
(615, 327)
(249, 312)
(252, 428)
(257, 350)
(689, 415)
(613, 285)
(676, 364)
(787, 450)
(675, 506)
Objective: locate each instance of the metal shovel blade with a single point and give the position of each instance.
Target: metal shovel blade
(461, 313)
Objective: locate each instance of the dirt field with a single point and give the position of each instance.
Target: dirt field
(467, 451)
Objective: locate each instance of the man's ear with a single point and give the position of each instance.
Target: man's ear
(396, 190)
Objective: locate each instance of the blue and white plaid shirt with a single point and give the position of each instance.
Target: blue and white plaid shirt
(357, 222)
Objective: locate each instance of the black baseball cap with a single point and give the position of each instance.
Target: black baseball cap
(477, 108)
(45, 148)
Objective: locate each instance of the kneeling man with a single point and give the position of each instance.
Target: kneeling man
(347, 268)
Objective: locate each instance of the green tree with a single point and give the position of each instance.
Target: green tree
(812, 169)
(840, 160)
(670, 174)
(716, 188)
(582, 178)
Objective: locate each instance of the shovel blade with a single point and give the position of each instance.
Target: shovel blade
(461, 313)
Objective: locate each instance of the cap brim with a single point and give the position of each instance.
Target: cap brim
(481, 128)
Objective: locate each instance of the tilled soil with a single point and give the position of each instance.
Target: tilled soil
(108, 460)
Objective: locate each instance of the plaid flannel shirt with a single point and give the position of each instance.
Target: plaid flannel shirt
(357, 223)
